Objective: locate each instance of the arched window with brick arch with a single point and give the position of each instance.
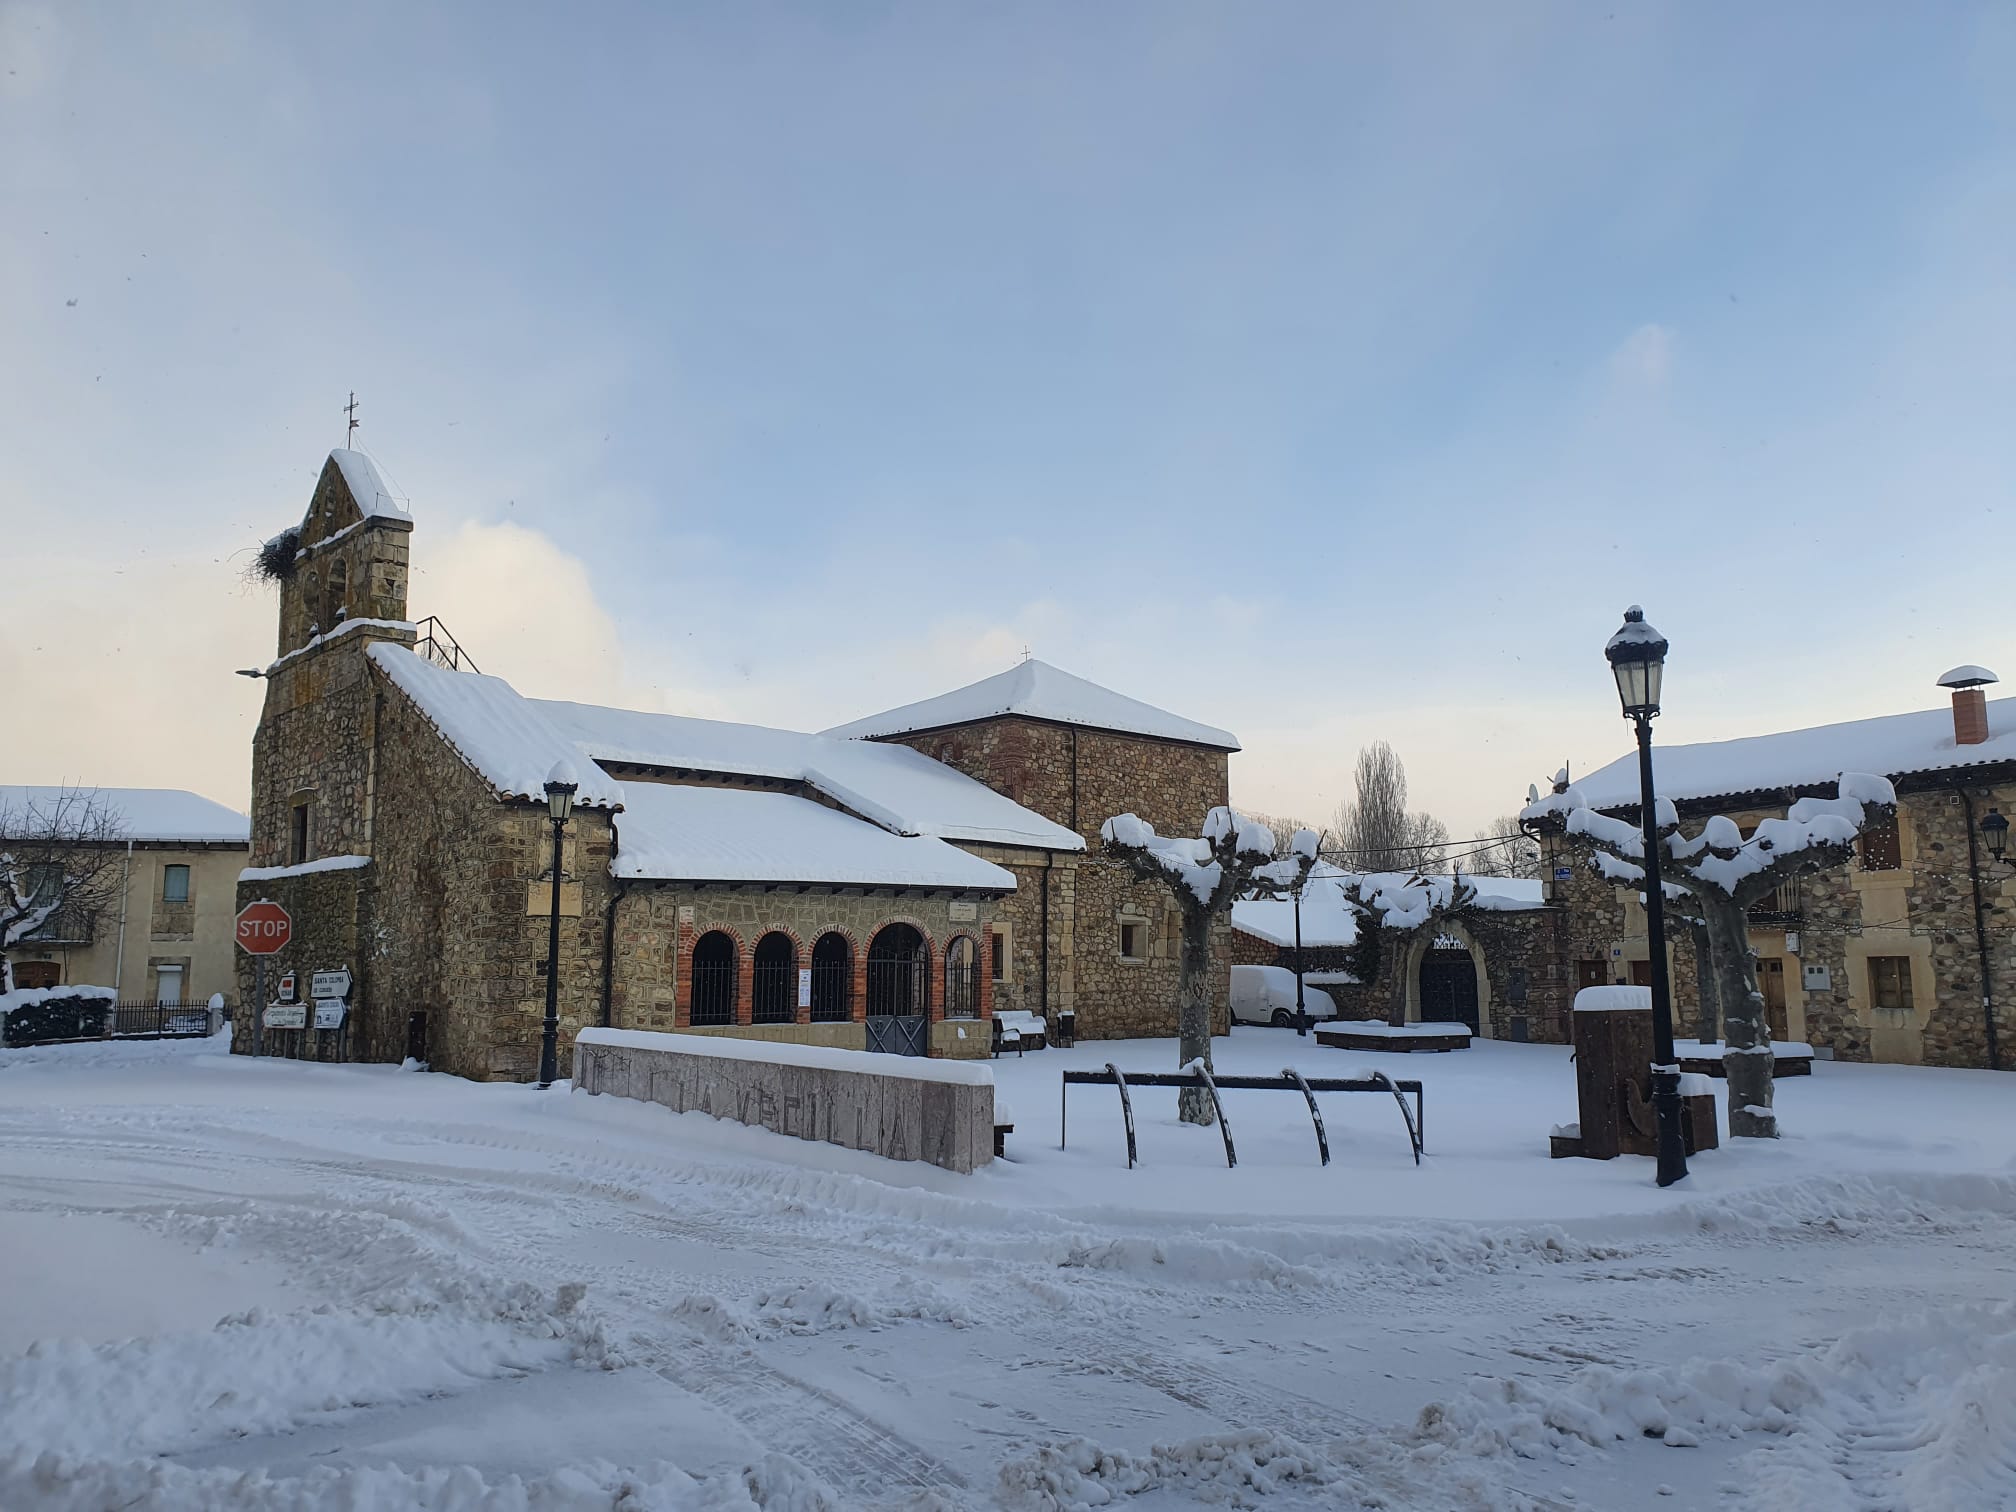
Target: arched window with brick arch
(899, 973)
(962, 979)
(773, 988)
(832, 979)
(715, 962)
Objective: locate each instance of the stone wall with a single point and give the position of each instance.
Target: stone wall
(1524, 986)
(1079, 778)
(658, 925)
(331, 911)
(880, 1105)
(347, 562)
(1921, 912)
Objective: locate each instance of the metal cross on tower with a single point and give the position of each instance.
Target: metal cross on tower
(350, 409)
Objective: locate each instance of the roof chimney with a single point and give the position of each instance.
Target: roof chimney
(1970, 704)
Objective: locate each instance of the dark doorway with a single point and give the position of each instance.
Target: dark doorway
(1449, 987)
(1771, 982)
(899, 991)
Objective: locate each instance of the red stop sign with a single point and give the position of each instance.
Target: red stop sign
(263, 928)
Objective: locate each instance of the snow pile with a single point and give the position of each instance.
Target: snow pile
(374, 499)
(54, 1483)
(1232, 1469)
(1924, 1406)
(810, 1308)
(302, 868)
(1613, 998)
(138, 813)
(723, 834)
(112, 1052)
(35, 997)
(505, 738)
(1193, 865)
(262, 1372)
(776, 1053)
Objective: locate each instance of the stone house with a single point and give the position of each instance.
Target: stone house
(878, 886)
(1884, 959)
(167, 935)
(1495, 964)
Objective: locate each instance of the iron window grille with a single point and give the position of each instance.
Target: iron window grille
(832, 980)
(962, 980)
(899, 973)
(773, 991)
(714, 967)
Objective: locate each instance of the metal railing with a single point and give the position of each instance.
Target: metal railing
(441, 648)
(161, 1020)
(1782, 905)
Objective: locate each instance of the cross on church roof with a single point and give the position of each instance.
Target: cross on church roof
(350, 409)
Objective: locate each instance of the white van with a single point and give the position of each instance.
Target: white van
(1266, 995)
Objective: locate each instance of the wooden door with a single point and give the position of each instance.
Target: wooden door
(1641, 973)
(1771, 982)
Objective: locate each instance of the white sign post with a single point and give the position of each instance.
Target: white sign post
(330, 984)
(286, 1016)
(329, 1013)
(804, 986)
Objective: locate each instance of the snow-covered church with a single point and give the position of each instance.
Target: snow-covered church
(887, 884)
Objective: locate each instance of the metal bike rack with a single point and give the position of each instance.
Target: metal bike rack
(1195, 1074)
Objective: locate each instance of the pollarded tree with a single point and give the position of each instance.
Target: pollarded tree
(1719, 876)
(1392, 908)
(1235, 859)
(60, 855)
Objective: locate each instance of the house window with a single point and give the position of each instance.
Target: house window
(962, 979)
(1881, 850)
(174, 884)
(997, 954)
(168, 984)
(1131, 946)
(715, 964)
(773, 987)
(1890, 981)
(300, 832)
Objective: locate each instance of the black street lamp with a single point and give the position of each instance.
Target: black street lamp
(1995, 830)
(1301, 1011)
(1637, 655)
(561, 785)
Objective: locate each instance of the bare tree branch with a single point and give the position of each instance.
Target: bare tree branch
(60, 853)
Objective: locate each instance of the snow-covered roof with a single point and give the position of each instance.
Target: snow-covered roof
(507, 739)
(1328, 919)
(1037, 690)
(901, 789)
(147, 814)
(367, 486)
(1891, 745)
(722, 834)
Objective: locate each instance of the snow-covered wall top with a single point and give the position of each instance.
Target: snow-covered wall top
(1891, 745)
(367, 486)
(504, 737)
(771, 1052)
(1037, 690)
(897, 787)
(720, 834)
(149, 814)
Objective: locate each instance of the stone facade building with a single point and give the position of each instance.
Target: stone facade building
(878, 886)
(166, 935)
(1496, 964)
(1884, 959)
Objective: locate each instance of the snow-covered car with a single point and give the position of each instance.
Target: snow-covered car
(1266, 995)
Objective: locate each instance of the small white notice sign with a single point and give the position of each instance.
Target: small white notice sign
(329, 984)
(962, 913)
(804, 986)
(329, 1013)
(286, 1015)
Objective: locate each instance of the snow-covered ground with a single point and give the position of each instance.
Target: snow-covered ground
(242, 1284)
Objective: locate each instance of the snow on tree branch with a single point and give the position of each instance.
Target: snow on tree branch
(59, 856)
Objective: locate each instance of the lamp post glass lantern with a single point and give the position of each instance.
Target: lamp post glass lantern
(561, 786)
(1637, 656)
(1995, 830)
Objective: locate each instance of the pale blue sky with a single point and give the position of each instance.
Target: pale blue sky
(1324, 372)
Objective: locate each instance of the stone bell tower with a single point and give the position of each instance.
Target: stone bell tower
(344, 587)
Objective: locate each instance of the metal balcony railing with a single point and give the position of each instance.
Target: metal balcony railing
(441, 648)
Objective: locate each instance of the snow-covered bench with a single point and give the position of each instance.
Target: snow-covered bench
(1017, 1029)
